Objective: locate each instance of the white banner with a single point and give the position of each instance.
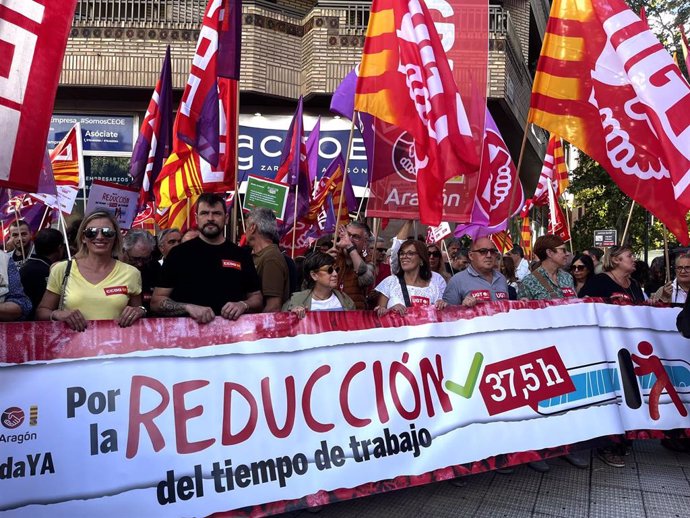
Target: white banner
(181, 429)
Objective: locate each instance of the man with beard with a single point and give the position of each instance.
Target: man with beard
(208, 276)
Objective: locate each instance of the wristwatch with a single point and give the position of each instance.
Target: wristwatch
(144, 310)
(350, 249)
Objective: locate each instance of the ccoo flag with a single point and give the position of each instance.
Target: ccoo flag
(405, 80)
(605, 84)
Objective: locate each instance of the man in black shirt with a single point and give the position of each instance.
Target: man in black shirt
(208, 275)
(49, 247)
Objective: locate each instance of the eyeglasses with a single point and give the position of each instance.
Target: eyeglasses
(683, 268)
(435, 254)
(578, 267)
(356, 237)
(485, 251)
(560, 249)
(106, 232)
(381, 250)
(409, 253)
(329, 269)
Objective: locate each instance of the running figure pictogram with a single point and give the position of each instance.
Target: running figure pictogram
(652, 365)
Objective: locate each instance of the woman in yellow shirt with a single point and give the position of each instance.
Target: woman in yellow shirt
(98, 286)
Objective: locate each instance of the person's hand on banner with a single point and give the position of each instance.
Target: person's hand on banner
(440, 304)
(73, 318)
(469, 301)
(201, 314)
(299, 311)
(130, 314)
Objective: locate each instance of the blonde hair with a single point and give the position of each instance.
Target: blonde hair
(607, 262)
(83, 250)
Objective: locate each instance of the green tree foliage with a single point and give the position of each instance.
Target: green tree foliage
(605, 207)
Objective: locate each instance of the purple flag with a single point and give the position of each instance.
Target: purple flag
(293, 159)
(155, 137)
(313, 151)
(230, 41)
(18, 205)
(343, 103)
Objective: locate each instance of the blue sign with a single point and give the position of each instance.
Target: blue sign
(260, 150)
(100, 133)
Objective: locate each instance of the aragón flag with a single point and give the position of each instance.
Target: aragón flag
(405, 80)
(605, 84)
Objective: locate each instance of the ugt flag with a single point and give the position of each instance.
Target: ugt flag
(405, 80)
(605, 84)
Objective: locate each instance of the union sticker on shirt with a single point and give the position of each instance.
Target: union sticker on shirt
(481, 295)
(501, 295)
(116, 290)
(568, 292)
(420, 301)
(227, 263)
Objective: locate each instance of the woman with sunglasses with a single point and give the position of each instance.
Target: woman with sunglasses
(615, 281)
(676, 292)
(582, 270)
(320, 280)
(414, 283)
(436, 263)
(94, 285)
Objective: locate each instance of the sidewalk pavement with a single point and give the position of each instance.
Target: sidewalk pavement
(654, 483)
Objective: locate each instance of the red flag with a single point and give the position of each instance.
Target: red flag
(605, 84)
(554, 171)
(33, 37)
(204, 136)
(405, 80)
(557, 222)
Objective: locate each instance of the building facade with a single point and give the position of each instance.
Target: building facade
(289, 48)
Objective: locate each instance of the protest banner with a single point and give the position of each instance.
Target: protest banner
(270, 194)
(120, 200)
(273, 413)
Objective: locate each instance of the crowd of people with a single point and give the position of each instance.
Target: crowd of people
(201, 274)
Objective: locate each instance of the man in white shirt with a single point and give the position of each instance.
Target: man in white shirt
(521, 264)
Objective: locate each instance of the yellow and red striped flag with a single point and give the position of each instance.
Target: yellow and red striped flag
(596, 86)
(180, 215)
(67, 159)
(404, 79)
(503, 241)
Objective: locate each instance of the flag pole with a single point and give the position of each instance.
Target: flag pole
(444, 247)
(16, 219)
(347, 164)
(666, 255)
(2, 230)
(294, 221)
(236, 200)
(61, 220)
(627, 224)
(43, 218)
(377, 223)
(513, 188)
(361, 203)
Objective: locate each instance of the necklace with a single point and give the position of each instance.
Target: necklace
(313, 296)
(621, 284)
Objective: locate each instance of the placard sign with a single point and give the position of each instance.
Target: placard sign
(606, 238)
(262, 192)
(114, 198)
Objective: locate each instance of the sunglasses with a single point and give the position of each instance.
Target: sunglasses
(329, 269)
(106, 232)
(578, 267)
(485, 251)
(435, 254)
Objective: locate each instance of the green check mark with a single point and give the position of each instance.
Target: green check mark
(467, 389)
